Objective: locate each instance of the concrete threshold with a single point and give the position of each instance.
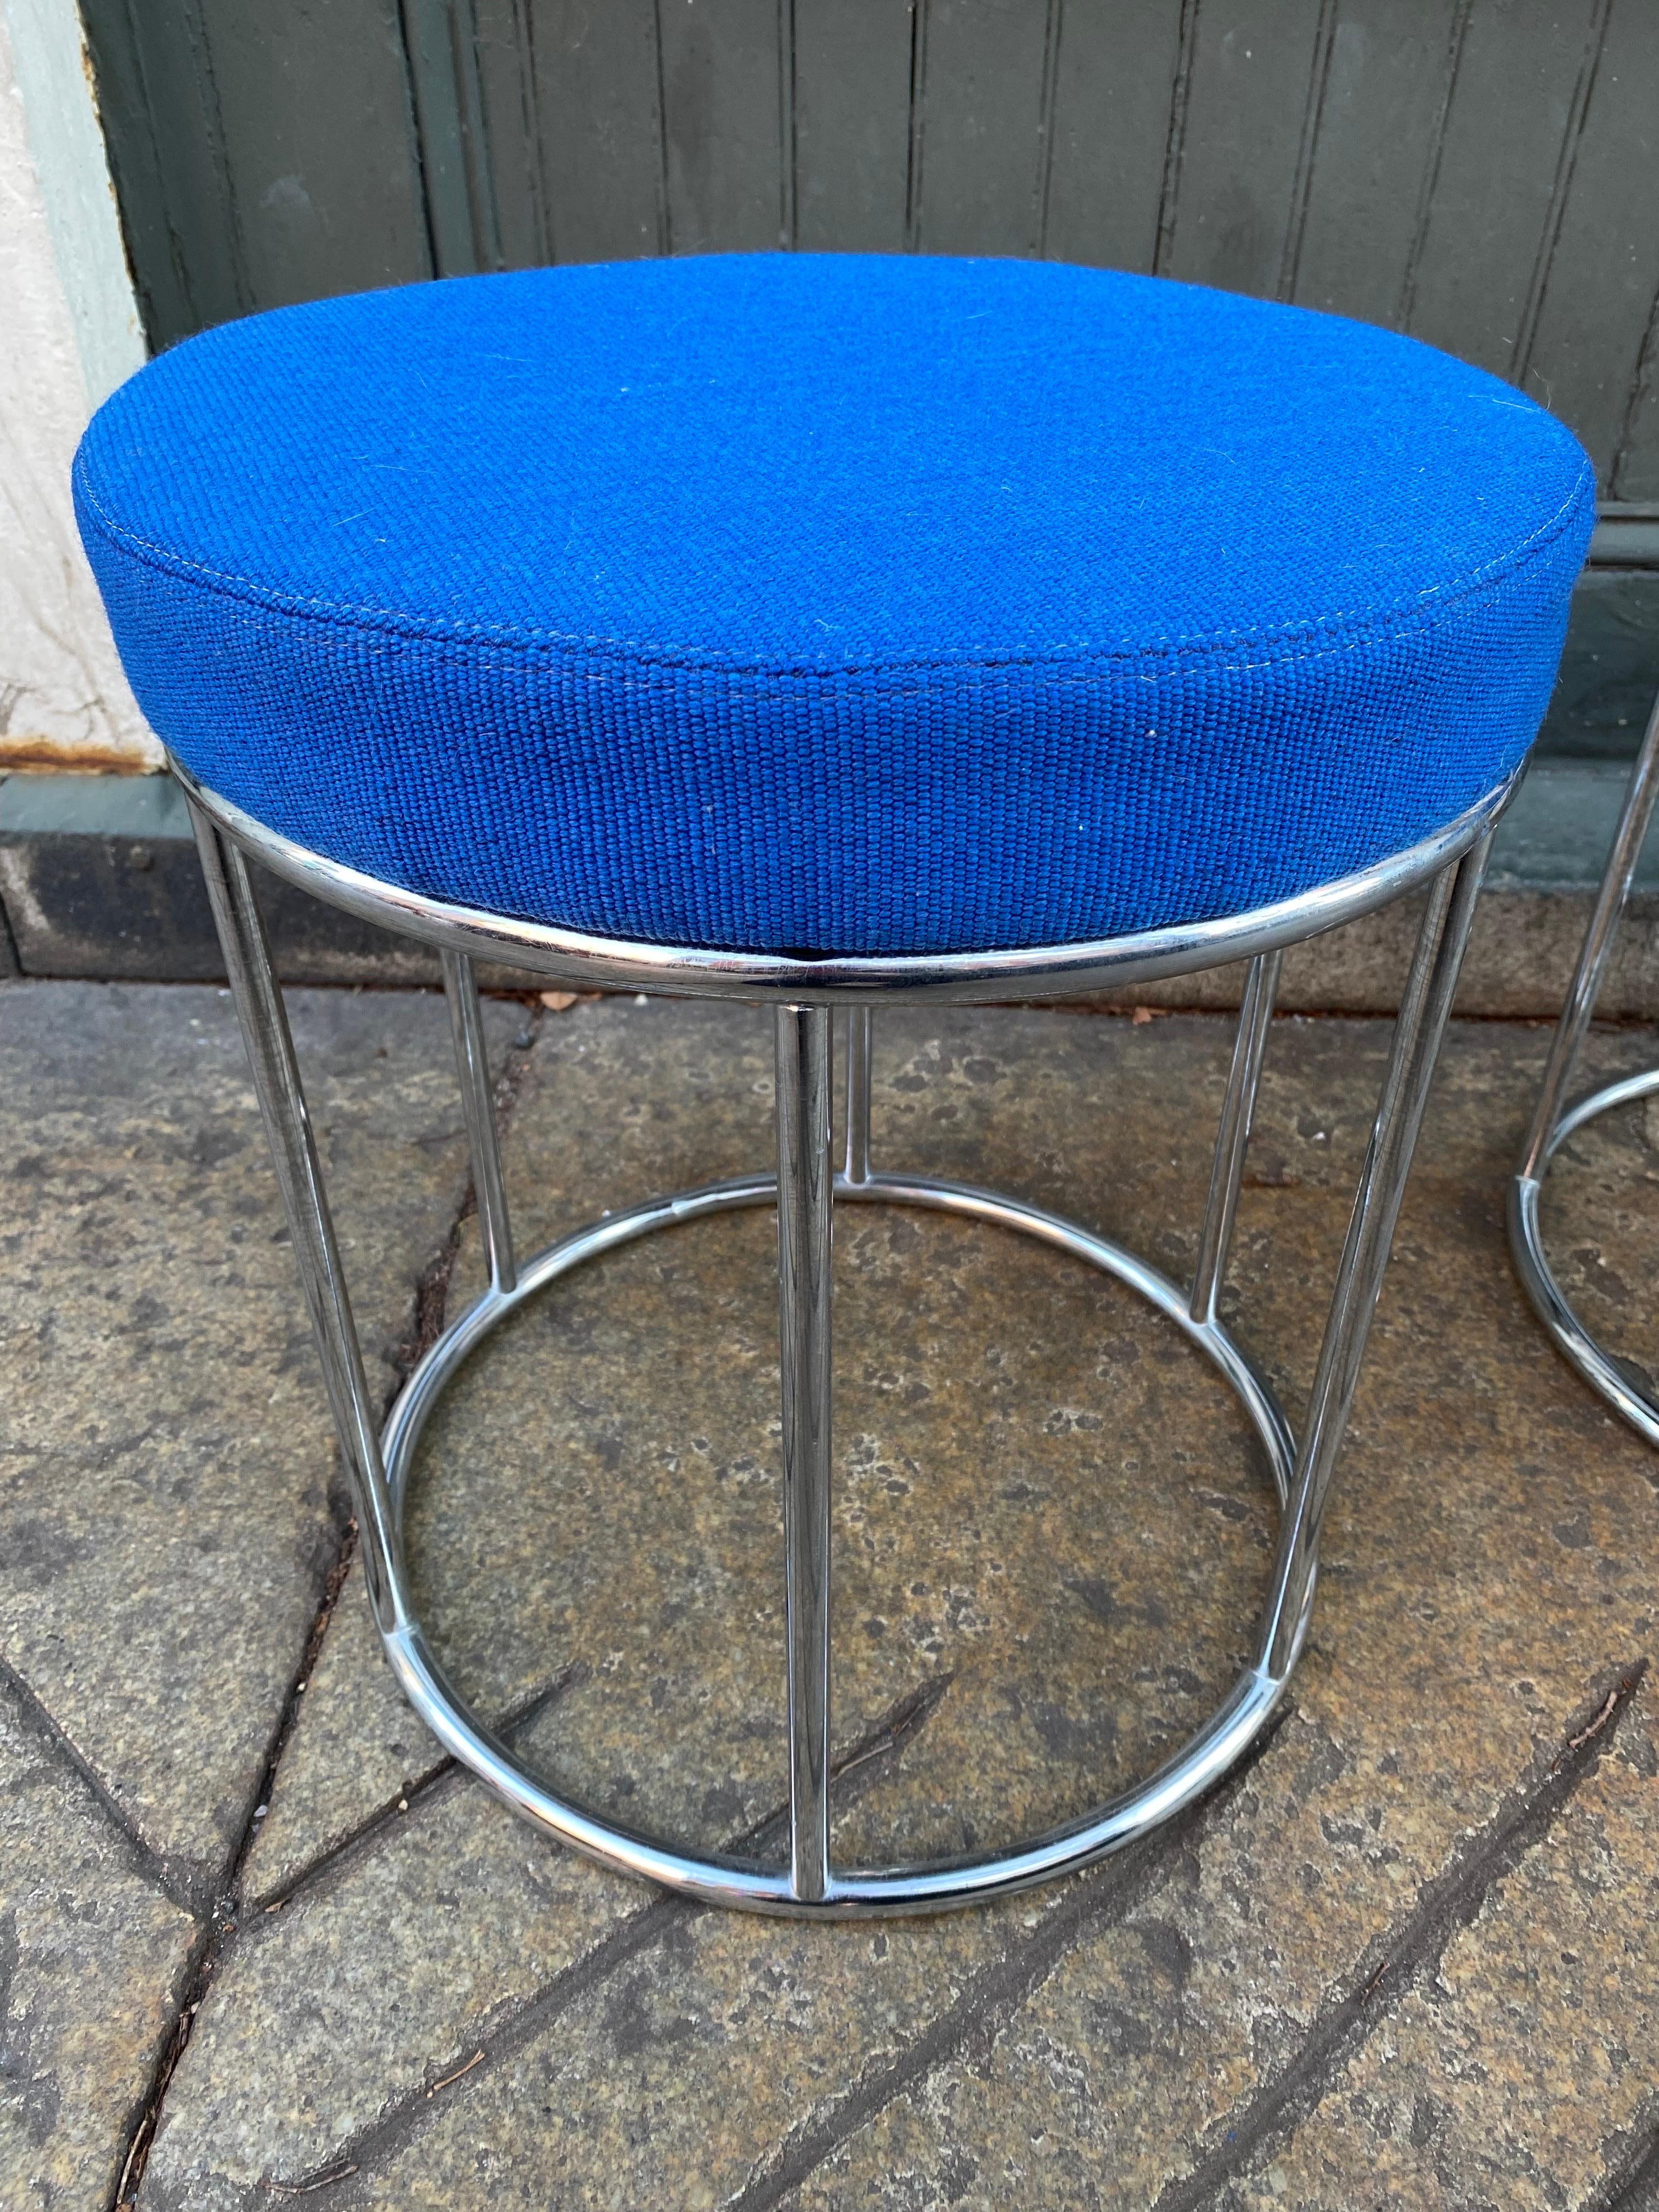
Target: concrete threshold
(99, 879)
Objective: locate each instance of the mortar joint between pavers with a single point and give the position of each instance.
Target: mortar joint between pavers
(188, 1883)
(380, 1824)
(1415, 1945)
(859, 1765)
(1632, 2157)
(1098, 1898)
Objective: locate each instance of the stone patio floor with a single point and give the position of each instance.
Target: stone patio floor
(259, 1943)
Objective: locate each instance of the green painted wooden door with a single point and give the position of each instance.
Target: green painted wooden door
(1477, 172)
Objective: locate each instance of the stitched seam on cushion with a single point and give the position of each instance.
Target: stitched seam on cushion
(508, 637)
(1076, 670)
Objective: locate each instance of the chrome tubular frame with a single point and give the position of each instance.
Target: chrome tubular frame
(1625, 1389)
(804, 1190)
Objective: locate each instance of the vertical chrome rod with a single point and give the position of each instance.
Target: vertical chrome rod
(478, 1105)
(258, 1001)
(1423, 1012)
(1233, 1137)
(805, 1174)
(1620, 873)
(859, 1020)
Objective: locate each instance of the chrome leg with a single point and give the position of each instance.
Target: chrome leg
(802, 1190)
(477, 1104)
(859, 1023)
(805, 1071)
(1625, 1388)
(1260, 989)
(1422, 1015)
(1592, 967)
(259, 1002)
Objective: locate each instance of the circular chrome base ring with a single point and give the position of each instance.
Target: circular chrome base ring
(732, 1880)
(1614, 1380)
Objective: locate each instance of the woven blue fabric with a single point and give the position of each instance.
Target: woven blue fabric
(835, 604)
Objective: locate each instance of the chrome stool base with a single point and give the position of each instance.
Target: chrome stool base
(1624, 1389)
(724, 1880)
(805, 1191)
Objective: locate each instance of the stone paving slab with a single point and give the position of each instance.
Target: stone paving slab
(165, 1500)
(93, 1964)
(168, 1507)
(356, 1748)
(1529, 2049)
(596, 1529)
(688, 1644)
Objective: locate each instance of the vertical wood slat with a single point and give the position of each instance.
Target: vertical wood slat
(788, 160)
(319, 144)
(1636, 465)
(1114, 83)
(1175, 142)
(852, 125)
(1598, 298)
(1566, 164)
(160, 109)
(1256, 66)
(456, 175)
(915, 144)
(1390, 69)
(980, 126)
(1467, 166)
(598, 128)
(1505, 126)
(1313, 118)
(506, 92)
(720, 97)
(467, 50)
(438, 125)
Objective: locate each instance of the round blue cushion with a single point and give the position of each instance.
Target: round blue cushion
(835, 604)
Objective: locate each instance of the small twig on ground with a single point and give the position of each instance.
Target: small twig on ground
(305, 2188)
(477, 2059)
(1577, 1742)
(122, 2201)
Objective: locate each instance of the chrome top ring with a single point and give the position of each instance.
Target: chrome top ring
(1052, 971)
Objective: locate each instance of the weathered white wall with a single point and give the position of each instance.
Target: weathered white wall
(69, 334)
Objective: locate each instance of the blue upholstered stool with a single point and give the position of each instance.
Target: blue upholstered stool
(827, 631)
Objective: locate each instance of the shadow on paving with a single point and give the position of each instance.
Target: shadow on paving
(1404, 1956)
